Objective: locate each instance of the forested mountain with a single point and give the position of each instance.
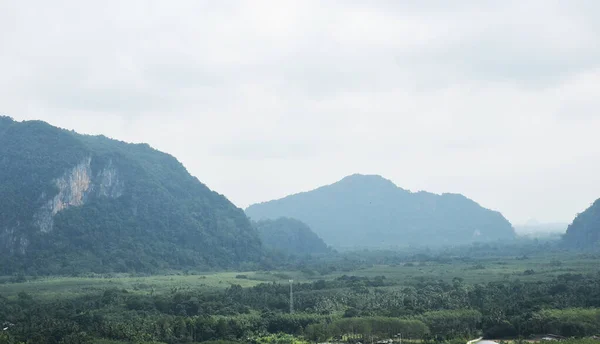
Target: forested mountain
(290, 236)
(584, 232)
(370, 211)
(76, 203)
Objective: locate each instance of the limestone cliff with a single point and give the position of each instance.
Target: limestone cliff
(77, 203)
(75, 187)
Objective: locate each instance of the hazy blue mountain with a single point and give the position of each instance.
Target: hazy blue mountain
(290, 236)
(370, 211)
(74, 203)
(584, 232)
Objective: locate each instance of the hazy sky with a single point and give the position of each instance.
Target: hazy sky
(498, 100)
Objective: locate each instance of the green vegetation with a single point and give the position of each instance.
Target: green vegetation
(118, 208)
(426, 298)
(289, 236)
(370, 211)
(107, 242)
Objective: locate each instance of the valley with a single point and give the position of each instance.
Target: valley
(109, 242)
(419, 295)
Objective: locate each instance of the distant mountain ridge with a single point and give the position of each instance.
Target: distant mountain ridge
(584, 232)
(73, 203)
(371, 211)
(289, 236)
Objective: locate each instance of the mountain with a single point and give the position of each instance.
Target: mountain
(290, 236)
(73, 203)
(584, 232)
(370, 211)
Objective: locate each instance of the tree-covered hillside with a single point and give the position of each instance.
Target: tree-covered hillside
(371, 211)
(290, 236)
(584, 232)
(76, 203)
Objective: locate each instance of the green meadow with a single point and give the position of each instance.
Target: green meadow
(483, 270)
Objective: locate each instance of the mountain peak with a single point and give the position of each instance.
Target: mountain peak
(367, 181)
(366, 178)
(370, 210)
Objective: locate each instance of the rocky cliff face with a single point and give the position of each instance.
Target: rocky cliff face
(74, 189)
(12, 240)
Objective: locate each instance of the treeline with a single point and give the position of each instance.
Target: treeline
(361, 307)
(144, 259)
(367, 328)
(358, 259)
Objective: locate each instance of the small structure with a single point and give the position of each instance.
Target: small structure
(553, 338)
(6, 325)
(548, 338)
(385, 341)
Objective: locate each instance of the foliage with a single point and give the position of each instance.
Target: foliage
(453, 323)
(289, 236)
(278, 338)
(340, 306)
(571, 322)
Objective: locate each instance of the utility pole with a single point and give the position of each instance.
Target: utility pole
(291, 297)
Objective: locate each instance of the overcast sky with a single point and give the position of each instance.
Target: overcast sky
(497, 100)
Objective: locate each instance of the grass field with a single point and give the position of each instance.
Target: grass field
(488, 270)
(72, 286)
(482, 271)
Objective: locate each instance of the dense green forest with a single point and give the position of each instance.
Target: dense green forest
(289, 236)
(370, 211)
(344, 306)
(72, 203)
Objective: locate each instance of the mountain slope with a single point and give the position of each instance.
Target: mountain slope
(73, 203)
(289, 236)
(362, 210)
(584, 232)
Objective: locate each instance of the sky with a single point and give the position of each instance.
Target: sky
(497, 100)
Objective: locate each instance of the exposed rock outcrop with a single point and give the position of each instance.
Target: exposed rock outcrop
(74, 189)
(14, 241)
(109, 184)
(73, 203)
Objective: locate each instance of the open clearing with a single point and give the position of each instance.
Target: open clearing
(481, 271)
